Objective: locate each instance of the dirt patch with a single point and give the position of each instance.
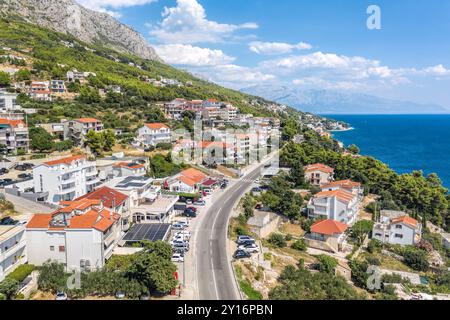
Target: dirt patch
(294, 230)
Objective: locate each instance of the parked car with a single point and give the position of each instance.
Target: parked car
(4, 171)
(256, 189)
(258, 206)
(180, 237)
(247, 242)
(185, 233)
(183, 223)
(23, 167)
(207, 191)
(24, 176)
(178, 226)
(60, 295)
(251, 248)
(224, 186)
(120, 295)
(176, 257)
(8, 221)
(241, 254)
(200, 203)
(192, 209)
(179, 242)
(184, 247)
(189, 213)
(189, 201)
(242, 239)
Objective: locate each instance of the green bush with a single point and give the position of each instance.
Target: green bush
(248, 290)
(288, 237)
(374, 246)
(21, 272)
(327, 264)
(277, 240)
(416, 259)
(299, 245)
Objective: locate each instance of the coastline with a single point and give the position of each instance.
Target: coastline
(342, 130)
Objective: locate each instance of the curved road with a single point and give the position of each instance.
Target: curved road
(215, 279)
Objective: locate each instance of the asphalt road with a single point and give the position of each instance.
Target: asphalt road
(214, 275)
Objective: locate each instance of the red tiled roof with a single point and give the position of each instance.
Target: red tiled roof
(193, 174)
(341, 195)
(329, 227)
(214, 144)
(319, 167)
(88, 120)
(156, 126)
(68, 160)
(107, 196)
(187, 181)
(406, 220)
(348, 184)
(12, 123)
(39, 221)
(79, 204)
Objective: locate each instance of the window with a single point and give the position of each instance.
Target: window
(399, 236)
(52, 248)
(398, 226)
(62, 248)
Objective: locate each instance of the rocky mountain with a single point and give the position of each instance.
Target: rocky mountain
(338, 102)
(66, 16)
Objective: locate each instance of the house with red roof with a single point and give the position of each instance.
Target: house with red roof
(114, 201)
(81, 235)
(318, 174)
(65, 178)
(14, 135)
(339, 205)
(397, 227)
(328, 235)
(346, 185)
(187, 181)
(152, 134)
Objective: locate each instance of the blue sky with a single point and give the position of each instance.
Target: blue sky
(322, 44)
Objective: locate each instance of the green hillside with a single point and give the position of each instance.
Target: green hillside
(51, 59)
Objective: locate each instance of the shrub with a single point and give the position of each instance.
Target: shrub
(21, 272)
(277, 240)
(373, 261)
(416, 259)
(9, 288)
(288, 237)
(374, 246)
(299, 245)
(327, 264)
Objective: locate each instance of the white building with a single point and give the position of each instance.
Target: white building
(153, 133)
(126, 169)
(338, 205)
(8, 102)
(65, 179)
(14, 135)
(396, 227)
(77, 129)
(347, 185)
(318, 174)
(81, 235)
(328, 235)
(75, 75)
(12, 248)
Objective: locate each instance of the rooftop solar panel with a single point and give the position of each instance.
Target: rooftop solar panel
(152, 232)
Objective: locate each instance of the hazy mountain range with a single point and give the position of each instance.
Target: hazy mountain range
(338, 102)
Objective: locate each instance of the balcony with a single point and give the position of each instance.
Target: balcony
(92, 181)
(12, 250)
(66, 190)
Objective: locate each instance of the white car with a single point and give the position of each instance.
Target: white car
(177, 242)
(176, 257)
(179, 226)
(251, 248)
(181, 238)
(186, 233)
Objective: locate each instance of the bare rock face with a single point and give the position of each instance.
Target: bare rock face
(66, 16)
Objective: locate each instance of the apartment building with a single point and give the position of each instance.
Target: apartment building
(396, 227)
(126, 169)
(339, 205)
(81, 235)
(57, 86)
(65, 179)
(318, 174)
(153, 133)
(347, 185)
(77, 129)
(75, 75)
(12, 248)
(114, 201)
(8, 102)
(14, 135)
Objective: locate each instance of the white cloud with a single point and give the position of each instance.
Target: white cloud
(271, 48)
(179, 54)
(187, 24)
(438, 70)
(105, 5)
(313, 82)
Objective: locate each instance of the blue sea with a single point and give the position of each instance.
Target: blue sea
(404, 142)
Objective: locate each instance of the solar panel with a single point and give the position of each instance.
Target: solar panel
(152, 232)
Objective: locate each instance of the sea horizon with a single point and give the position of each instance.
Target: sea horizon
(406, 142)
